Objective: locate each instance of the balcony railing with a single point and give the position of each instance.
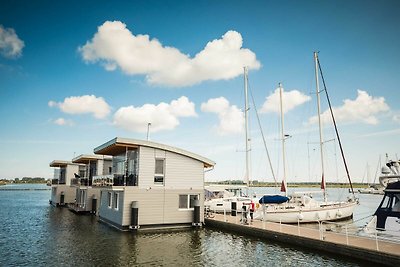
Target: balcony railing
(115, 180)
(57, 181)
(81, 181)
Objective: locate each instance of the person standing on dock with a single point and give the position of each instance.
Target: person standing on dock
(251, 210)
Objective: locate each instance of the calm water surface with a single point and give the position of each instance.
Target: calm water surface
(33, 233)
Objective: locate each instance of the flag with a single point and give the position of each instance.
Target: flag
(283, 187)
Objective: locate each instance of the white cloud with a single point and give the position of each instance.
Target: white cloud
(396, 118)
(290, 100)
(63, 122)
(162, 116)
(10, 45)
(83, 104)
(231, 118)
(116, 46)
(363, 109)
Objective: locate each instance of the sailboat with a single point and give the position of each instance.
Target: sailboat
(300, 206)
(371, 188)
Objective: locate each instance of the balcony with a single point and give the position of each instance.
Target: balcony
(115, 180)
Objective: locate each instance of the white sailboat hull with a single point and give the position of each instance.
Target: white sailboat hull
(287, 213)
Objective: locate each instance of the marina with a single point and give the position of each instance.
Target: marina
(29, 219)
(199, 133)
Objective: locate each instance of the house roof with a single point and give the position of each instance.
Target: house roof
(61, 163)
(118, 145)
(85, 159)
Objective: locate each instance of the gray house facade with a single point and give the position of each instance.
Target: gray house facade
(64, 172)
(160, 181)
(87, 197)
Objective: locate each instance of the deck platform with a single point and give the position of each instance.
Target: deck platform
(382, 252)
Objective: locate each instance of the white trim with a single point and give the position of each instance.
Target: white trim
(116, 201)
(109, 199)
(188, 201)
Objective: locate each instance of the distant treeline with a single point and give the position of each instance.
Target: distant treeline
(257, 183)
(24, 180)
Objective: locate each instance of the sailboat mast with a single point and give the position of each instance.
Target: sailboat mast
(246, 120)
(321, 140)
(283, 187)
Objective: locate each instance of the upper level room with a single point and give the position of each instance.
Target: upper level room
(64, 171)
(147, 164)
(93, 165)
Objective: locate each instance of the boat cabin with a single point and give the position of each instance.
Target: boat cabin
(388, 212)
(152, 185)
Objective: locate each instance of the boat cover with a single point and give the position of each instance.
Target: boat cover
(273, 199)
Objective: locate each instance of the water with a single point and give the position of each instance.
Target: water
(33, 233)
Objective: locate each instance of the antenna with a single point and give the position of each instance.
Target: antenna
(148, 130)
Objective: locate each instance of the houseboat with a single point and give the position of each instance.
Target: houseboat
(64, 172)
(152, 185)
(86, 195)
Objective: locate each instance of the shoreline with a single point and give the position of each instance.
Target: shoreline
(305, 184)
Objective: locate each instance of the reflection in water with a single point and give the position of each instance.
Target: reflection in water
(32, 233)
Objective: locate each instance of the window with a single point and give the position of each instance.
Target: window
(183, 200)
(109, 198)
(159, 172)
(187, 201)
(116, 201)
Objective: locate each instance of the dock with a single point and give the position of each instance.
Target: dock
(376, 250)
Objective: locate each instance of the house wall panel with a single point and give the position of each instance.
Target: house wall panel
(111, 214)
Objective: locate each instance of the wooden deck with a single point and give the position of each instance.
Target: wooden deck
(366, 248)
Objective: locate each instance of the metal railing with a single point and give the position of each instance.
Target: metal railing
(81, 181)
(57, 181)
(115, 180)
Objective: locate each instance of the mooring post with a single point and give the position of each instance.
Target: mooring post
(196, 213)
(134, 215)
(62, 198)
(94, 204)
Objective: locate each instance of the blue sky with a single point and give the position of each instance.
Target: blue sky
(74, 75)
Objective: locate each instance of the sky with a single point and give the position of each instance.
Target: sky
(76, 74)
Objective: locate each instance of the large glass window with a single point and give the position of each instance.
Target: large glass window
(119, 164)
(92, 169)
(159, 171)
(125, 168)
(63, 172)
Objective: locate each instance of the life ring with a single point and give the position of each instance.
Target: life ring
(257, 205)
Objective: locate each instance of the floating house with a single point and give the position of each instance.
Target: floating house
(64, 172)
(87, 196)
(152, 185)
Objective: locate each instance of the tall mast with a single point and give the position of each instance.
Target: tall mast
(283, 187)
(246, 120)
(321, 140)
